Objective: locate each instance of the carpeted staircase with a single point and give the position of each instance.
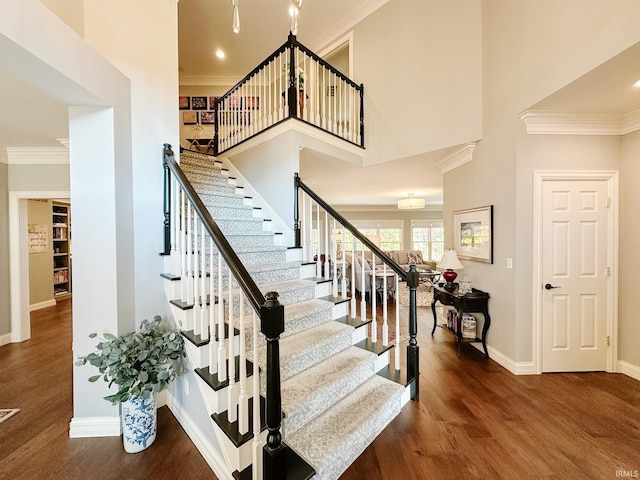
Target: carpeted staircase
(333, 400)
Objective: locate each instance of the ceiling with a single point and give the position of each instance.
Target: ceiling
(205, 26)
(29, 118)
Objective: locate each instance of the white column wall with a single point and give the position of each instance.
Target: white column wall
(147, 53)
(96, 275)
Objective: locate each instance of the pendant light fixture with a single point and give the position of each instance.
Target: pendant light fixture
(236, 17)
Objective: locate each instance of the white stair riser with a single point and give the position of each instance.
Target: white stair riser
(340, 310)
(323, 289)
(294, 255)
(359, 334)
(307, 271)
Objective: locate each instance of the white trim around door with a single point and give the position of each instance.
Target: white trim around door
(611, 177)
(19, 260)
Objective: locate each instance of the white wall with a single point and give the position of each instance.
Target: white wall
(115, 155)
(530, 49)
(140, 39)
(421, 65)
(629, 303)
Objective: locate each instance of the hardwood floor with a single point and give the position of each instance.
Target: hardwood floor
(35, 376)
(474, 420)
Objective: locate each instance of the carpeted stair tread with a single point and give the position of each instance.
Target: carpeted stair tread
(332, 441)
(291, 291)
(305, 349)
(332, 380)
(298, 317)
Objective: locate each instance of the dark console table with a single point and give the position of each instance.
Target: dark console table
(475, 302)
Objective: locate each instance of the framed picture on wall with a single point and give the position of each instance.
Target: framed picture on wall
(184, 103)
(198, 103)
(189, 118)
(235, 103)
(212, 102)
(207, 118)
(473, 234)
(252, 103)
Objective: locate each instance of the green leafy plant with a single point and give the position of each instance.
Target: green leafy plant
(139, 363)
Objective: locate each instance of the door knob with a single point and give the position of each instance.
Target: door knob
(548, 286)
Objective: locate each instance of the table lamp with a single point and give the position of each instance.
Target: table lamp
(448, 263)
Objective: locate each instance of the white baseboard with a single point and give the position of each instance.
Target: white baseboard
(46, 304)
(517, 368)
(211, 456)
(94, 427)
(629, 369)
(5, 339)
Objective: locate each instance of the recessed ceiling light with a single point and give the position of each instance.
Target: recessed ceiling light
(220, 54)
(637, 84)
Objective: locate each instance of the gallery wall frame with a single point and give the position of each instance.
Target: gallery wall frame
(473, 233)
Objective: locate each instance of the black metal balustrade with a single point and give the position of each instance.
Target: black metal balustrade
(292, 82)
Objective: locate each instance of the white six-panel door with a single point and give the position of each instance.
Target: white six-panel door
(574, 275)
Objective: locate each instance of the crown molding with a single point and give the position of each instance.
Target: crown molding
(38, 155)
(461, 156)
(3, 154)
(345, 24)
(631, 122)
(572, 123)
(209, 80)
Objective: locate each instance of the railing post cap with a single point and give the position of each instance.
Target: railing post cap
(272, 316)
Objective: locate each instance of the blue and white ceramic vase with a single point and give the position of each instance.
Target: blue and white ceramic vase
(139, 423)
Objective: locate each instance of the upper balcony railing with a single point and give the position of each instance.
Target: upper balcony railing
(292, 82)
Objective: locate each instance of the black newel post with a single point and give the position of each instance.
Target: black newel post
(216, 123)
(362, 114)
(292, 93)
(272, 326)
(167, 200)
(296, 211)
(413, 360)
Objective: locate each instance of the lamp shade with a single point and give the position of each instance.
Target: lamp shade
(449, 261)
(410, 203)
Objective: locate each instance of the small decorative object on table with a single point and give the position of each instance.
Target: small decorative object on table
(141, 364)
(465, 286)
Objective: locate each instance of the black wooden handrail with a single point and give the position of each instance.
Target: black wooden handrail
(246, 283)
(402, 273)
(411, 277)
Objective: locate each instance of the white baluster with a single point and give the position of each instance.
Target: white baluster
(363, 291)
(243, 401)
(327, 264)
(190, 300)
(334, 253)
(213, 344)
(310, 230)
(184, 279)
(304, 227)
(324, 99)
(232, 410)
(374, 300)
(344, 264)
(385, 326)
(204, 312)
(397, 297)
(353, 277)
(318, 249)
(257, 444)
(197, 303)
(222, 354)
